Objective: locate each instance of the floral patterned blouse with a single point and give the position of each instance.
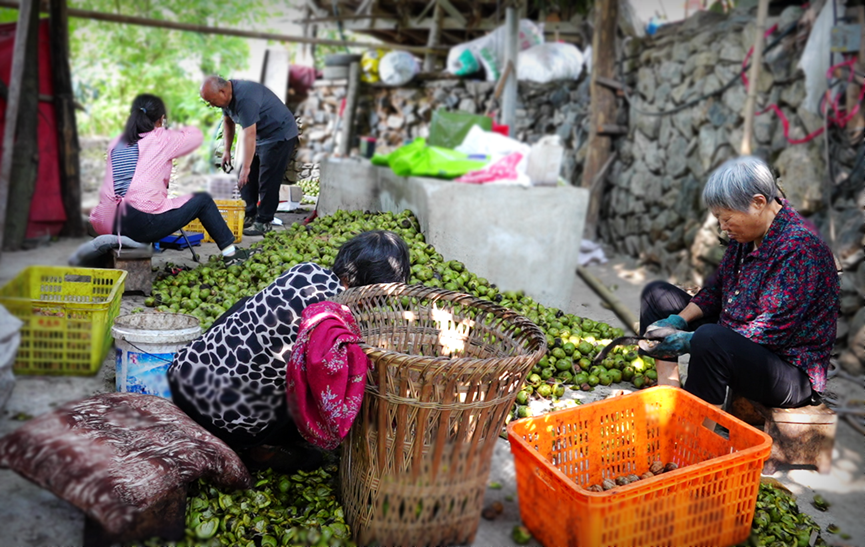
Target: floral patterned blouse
(782, 295)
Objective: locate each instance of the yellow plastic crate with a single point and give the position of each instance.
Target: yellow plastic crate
(67, 314)
(232, 210)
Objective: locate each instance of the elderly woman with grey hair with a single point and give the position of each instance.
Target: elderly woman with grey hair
(764, 324)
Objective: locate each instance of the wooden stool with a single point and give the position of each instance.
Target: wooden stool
(801, 436)
(166, 519)
(136, 262)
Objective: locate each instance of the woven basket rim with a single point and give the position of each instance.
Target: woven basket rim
(534, 334)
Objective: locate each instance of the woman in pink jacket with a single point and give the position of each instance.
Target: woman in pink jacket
(134, 200)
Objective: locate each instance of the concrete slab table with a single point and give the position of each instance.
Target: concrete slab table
(517, 237)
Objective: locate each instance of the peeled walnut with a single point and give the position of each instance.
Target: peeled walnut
(623, 481)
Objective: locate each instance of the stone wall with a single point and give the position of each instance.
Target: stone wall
(652, 207)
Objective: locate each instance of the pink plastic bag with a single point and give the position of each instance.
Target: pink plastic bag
(504, 169)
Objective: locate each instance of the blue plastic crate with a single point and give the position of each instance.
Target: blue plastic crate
(176, 241)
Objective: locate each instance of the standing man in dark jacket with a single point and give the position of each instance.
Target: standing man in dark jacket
(269, 133)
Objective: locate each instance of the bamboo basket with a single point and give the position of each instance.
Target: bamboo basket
(446, 368)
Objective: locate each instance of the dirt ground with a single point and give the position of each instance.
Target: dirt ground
(34, 517)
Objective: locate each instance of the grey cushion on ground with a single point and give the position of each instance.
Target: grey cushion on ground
(115, 454)
(89, 253)
(10, 337)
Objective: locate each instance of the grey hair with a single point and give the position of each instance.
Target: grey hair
(734, 184)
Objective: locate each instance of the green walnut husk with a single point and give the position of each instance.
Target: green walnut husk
(207, 291)
(778, 522)
(291, 510)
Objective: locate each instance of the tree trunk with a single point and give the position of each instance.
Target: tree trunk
(67, 132)
(20, 150)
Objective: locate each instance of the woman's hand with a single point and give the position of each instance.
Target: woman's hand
(673, 321)
(672, 346)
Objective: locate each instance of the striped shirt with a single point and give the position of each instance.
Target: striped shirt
(148, 191)
(123, 162)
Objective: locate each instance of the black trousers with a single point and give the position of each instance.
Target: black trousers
(148, 228)
(261, 192)
(721, 357)
(282, 432)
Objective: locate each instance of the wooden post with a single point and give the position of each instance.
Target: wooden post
(350, 107)
(753, 76)
(18, 166)
(429, 61)
(509, 97)
(602, 108)
(304, 56)
(64, 111)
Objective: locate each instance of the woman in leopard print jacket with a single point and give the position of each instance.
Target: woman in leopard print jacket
(231, 380)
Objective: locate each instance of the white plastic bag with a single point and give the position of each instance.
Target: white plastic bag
(398, 68)
(489, 51)
(550, 62)
(10, 337)
(494, 145)
(587, 59)
(815, 59)
(545, 160)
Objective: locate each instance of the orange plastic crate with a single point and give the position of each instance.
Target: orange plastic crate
(708, 501)
(232, 210)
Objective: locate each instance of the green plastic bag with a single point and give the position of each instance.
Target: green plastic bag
(416, 159)
(449, 129)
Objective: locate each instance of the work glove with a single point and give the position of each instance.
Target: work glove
(671, 347)
(673, 321)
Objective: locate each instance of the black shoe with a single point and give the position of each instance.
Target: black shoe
(238, 257)
(247, 222)
(258, 229)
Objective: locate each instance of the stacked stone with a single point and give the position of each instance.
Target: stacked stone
(652, 207)
(320, 112)
(847, 223)
(294, 169)
(308, 171)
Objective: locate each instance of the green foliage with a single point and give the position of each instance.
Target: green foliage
(8, 15)
(112, 62)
